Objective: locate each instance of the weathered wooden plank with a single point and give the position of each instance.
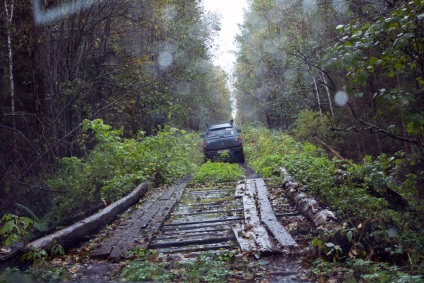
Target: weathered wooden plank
(125, 237)
(168, 194)
(213, 191)
(225, 225)
(208, 212)
(240, 190)
(145, 219)
(209, 247)
(130, 227)
(212, 229)
(268, 216)
(193, 235)
(252, 221)
(213, 204)
(203, 221)
(200, 241)
(244, 239)
(160, 217)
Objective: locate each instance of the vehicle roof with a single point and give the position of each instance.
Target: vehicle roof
(219, 126)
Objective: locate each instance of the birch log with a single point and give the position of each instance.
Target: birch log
(78, 231)
(308, 206)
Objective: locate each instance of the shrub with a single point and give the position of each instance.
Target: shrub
(116, 165)
(218, 172)
(377, 199)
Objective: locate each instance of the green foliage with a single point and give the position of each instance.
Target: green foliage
(387, 47)
(145, 267)
(48, 273)
(392, 36)
(37, 256)
(356, 270)
(14, 228)
(334, 251)
(218, 172)
(206, 268)
(14, 275)
(40, 269)
(377, 200)
(116, 166)
(264, 147)
(310, 124)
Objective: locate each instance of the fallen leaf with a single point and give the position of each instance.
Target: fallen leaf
(73, 269)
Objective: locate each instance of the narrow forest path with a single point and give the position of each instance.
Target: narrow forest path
(250, 219)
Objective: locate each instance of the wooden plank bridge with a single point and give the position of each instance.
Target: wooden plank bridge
(190, 218)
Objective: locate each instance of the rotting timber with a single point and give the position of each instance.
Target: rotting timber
(189, 217)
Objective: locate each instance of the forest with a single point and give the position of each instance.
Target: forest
(349, 73)
(97, 96)
(138, 65)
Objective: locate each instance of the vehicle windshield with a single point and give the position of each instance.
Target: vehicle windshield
(221, 132)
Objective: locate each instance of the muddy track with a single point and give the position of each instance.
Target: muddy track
(248, 218)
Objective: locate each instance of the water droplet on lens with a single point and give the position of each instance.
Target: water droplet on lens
(165, 59)
(341, 98)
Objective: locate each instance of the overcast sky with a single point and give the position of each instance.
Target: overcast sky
(232, 14)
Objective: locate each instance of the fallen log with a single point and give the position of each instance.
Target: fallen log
(78, 231)
(308, 206)
(332, 150)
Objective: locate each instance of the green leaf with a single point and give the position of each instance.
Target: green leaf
(7, 227)
(340, 28)
(349, 235)
(330, 245)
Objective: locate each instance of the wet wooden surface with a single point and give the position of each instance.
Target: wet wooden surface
(201, 220)
(268, 216)
(143, 222)
(191, 217)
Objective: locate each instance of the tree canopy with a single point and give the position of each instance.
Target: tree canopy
(359, 63)
(139, 65)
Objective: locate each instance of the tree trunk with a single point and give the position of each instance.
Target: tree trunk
(328, 94)
(8, 19)
(332, 150)
(1, 87)
(306, 205)
(318, 98)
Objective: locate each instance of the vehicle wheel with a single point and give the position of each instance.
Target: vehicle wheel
(241, 157)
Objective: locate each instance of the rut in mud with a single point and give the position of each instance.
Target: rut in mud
(250, 218)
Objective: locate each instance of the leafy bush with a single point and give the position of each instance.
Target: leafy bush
(14, 275)
(206, 268)
(116, 165)
(218, 172)
(310, 124)
(359, 270)
(14, 228)
(378, 200)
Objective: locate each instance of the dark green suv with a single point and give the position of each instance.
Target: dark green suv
(223, 140)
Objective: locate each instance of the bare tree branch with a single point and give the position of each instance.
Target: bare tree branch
(376, 129)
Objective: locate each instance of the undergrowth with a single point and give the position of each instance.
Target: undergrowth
(116, 165)
(218, 172)
(379, 201)
(145, 266)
